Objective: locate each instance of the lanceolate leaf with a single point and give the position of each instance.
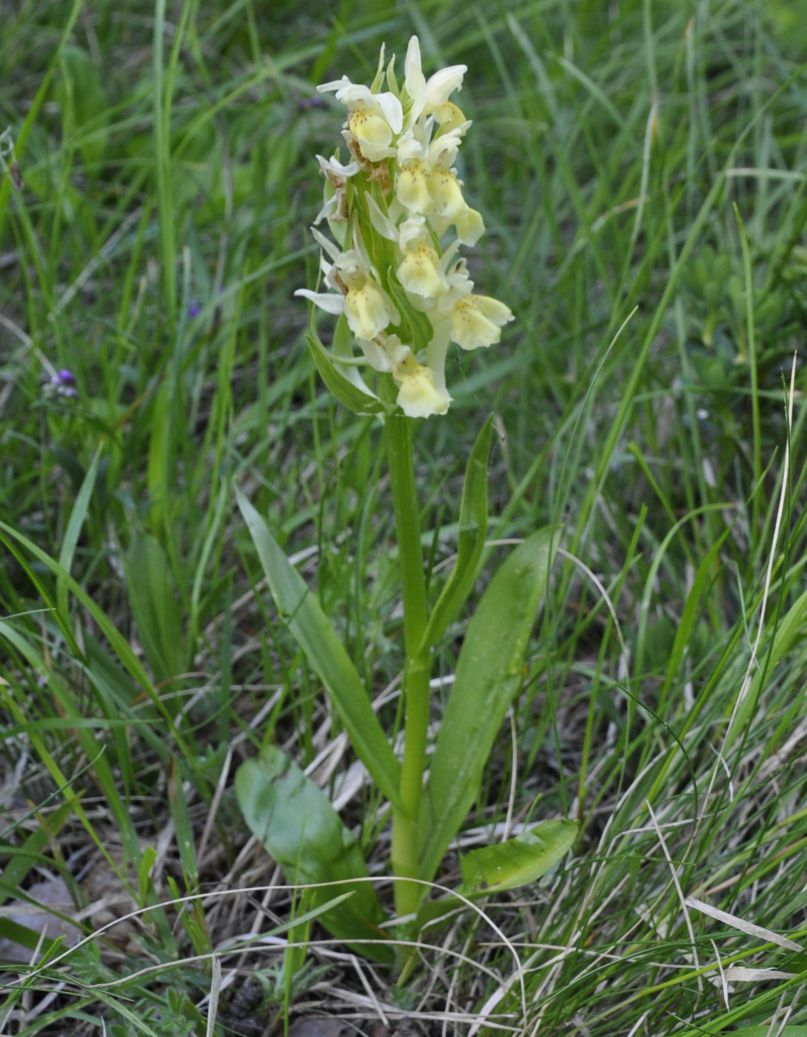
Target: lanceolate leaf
(296, 823)
(326, 653)
(517, 861)
(489, 672)
(473, 526)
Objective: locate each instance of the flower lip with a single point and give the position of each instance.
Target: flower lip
(419, 393)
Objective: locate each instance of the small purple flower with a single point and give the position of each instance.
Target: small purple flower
(194, 308)
(63, 382)
(312, 102)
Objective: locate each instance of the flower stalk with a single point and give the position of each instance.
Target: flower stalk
(406, 819)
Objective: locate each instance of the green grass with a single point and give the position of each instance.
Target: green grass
(641, 168)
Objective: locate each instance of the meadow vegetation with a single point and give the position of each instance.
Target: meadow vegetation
(641, 168)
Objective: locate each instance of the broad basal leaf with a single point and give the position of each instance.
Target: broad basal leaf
(296, 823)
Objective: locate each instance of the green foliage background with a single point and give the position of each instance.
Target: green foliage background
(641, 168)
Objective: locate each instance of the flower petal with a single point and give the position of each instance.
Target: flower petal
(419, 272)
(327, 246)
(419, 395)
(470, 226)
(442, 84)
(446, 193)
(391, 108)
(335, 84)
(375, 355)
(325, 300)
(412, 187)
(414, 80)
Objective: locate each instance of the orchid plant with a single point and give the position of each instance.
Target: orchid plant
(397, 217)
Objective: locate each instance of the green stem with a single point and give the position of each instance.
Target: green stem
(406, 819)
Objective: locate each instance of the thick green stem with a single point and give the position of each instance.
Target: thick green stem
(406, 818)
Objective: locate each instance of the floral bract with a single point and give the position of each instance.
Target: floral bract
(398, 217)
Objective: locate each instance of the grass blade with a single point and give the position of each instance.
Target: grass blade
(326, 653)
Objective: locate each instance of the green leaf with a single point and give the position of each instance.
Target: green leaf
(73, 530)
(27, 938)
(20, 860)
(82, 98)
(154, 604)
(473, 525)
(789, 633)
(764, 1031)
(517, 861)
(489, 673)
(492, 869)
(347, 390)
(296, 823)
(326, 653)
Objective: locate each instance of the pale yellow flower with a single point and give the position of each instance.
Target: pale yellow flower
(446, 193)
(412, 186)
(477, 320)
(389, 210)
(419, 270)
(419, 395)
(368, 310)
(358, 295)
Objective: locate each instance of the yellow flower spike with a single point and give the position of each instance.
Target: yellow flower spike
(477, 320)
(397, 212)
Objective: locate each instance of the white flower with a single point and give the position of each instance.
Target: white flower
(337, 172)
(428, 97)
